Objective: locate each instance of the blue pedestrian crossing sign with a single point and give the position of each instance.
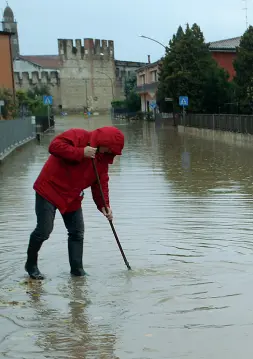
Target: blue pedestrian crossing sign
(152, 104)
(47, 100)
(183, 101)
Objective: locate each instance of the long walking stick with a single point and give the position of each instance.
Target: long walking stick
(110, 221)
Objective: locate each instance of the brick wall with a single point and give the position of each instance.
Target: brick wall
(6, 70)
(225, 60)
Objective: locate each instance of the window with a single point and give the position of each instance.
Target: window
(142, 79)
(154, 76)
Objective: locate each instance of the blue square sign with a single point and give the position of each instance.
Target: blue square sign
(47, 100)
(183, 101)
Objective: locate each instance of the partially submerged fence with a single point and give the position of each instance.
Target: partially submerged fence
(230, 123)
(15, 133)
(121, 113)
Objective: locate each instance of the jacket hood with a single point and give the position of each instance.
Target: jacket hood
(110, 137)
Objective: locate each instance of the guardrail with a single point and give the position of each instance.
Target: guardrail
(222, 122)
(15, 133)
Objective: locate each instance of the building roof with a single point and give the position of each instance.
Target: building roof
(45, 61)
(225, 45)
(129, 63)
(152, 64)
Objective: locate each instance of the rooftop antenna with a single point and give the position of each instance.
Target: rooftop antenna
(246, 12)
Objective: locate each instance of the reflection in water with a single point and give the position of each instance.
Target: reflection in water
(183, 212)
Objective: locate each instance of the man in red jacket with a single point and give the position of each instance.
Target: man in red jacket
(60, 184)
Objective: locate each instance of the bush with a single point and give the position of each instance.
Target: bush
(32, 101)
(9, 110)
(118, 104)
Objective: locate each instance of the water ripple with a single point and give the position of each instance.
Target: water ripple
(186, 233)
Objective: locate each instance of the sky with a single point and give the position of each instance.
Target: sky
(41, 23)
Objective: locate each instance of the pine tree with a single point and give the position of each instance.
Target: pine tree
(244, 71)
(188, 69)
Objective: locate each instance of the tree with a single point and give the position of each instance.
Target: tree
(9, 110)
(244, 71)
(31, 101)
(188, 69)
(133, 100)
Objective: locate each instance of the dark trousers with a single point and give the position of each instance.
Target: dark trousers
(45, 212)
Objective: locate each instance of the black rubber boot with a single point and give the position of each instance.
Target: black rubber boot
(31, 265)
(75, 249)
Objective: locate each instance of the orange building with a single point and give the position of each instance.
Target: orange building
(224, 53)
(6, 64)
(147, 84)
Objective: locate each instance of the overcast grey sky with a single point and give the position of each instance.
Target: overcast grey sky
(41, 23)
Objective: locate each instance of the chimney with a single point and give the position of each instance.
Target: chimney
(149, 59)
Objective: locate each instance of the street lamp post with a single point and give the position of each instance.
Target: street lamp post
(154, 40)
(158, 42)
(101, 72)
(86, 93)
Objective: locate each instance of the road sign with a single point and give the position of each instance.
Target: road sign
(168, 99)
(47, 100)
(1, 103)
(183, 101)
(152, 104)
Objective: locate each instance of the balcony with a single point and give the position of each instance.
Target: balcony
(151, 87)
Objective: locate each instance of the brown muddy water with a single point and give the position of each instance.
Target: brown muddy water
(183, 211)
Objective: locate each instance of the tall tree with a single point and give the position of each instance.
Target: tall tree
(133, 100)
(188, 69)
(244, 71)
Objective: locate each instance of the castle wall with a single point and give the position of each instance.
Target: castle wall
(87, 74)
(29, 80)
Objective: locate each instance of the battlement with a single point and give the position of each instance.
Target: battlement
(37, 77)
(89, 48)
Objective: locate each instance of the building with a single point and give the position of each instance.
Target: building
(83, 74)
(147, 84)
(9, 24)
(6, 64)
(224, 53)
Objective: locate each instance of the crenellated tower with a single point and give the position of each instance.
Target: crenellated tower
(87, 73)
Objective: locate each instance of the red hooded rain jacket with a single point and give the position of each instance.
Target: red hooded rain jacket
(67, 172)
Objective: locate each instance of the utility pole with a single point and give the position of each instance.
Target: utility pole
(246, 12)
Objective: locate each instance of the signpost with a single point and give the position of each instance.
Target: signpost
(183, 101)
(48, 101)
(153, 105)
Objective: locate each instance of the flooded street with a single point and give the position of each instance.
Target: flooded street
(183, 211)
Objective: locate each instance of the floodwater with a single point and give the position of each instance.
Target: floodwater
(183, 211)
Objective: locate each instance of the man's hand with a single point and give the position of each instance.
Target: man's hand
(89, 152)
(108, 213)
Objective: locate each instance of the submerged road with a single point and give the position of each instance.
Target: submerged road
(183, 211)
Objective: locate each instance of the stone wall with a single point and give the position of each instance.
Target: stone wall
(87, 74)
(29, 80)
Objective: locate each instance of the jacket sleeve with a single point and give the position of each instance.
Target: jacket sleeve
(104, 179)
(65, 146)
